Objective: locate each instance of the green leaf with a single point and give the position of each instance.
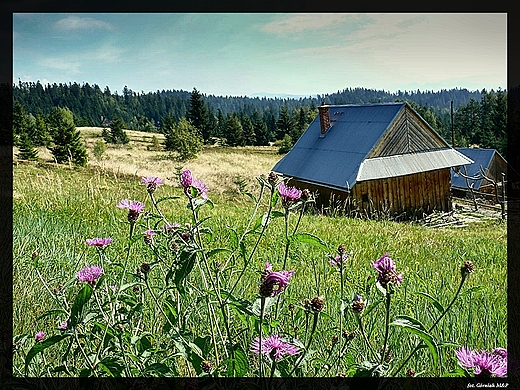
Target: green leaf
(472, 290)
(51, 313)
(159, 368)
(269, 302)
(233, 239)
(166, 198)
(237, 366)
(417, 328)
(274, 198)
(433, 301)
(41, 346)
(112, 366)
(187, 260)
(213, 252)
(308, 239)
(79, 302)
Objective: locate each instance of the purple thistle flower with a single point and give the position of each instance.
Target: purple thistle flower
(289, 194)
(134, 208)
(338, 260)
(186, 179)
(99, 242)
(63, 325)
(152, 182)
(387, 273)
(500, 351)
(89, 274)
(484, 363)
(39, 336)
(274, 347)
(148, 234)
(271, 279)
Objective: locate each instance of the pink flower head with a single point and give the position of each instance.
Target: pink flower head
(500, 351)
(274, 347)
(99, 242)
(152, 182)
(484, 363)
(201, 187)
(385, 267)
(289, 194)
(39, 336)
(148, 234)
(338, 260)
(134, 208)
(186, 179)
(89, 274)
(270, 279)
(63, 325)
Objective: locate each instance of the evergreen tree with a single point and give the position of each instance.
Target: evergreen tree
(197, 114)
(66, 140)
(248, 131)
(27, 150)
(221, 124)
(20, 121)
(184, 139)
(116, 135)
(299, 126)
(262, 136)
(284, 124)
(285, 145)
(234, 132)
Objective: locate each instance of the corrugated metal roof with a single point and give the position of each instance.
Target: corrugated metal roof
(482, 158)
(334, 159)
(410, 163)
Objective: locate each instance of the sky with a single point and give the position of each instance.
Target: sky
(248, 54)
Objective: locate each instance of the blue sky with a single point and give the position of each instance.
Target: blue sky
(243, 54)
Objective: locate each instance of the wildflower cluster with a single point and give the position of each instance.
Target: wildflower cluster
(484, 364)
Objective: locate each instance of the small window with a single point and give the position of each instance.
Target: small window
(364, 198)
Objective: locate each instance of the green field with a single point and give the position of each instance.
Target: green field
(57, 207)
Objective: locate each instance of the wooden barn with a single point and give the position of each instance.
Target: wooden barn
(384, 156)
(486, 161)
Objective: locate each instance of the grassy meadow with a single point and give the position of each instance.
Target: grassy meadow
(57, 207)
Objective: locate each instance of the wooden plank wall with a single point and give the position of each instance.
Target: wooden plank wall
(425, 190)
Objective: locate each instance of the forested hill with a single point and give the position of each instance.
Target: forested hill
(480, 117)
(90, 104)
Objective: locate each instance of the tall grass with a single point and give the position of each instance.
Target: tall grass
(57, 208)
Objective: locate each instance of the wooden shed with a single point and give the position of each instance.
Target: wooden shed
(487, 164)
(384, 156)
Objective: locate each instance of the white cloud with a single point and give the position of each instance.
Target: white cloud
(302, 22)
(80, 23)
(66, 64)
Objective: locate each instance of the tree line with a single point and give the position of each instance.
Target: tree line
(190, 119)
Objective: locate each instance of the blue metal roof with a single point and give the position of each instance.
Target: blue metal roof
(334, 159)
(481, 157)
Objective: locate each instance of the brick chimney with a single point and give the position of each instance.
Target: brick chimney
(324, 118)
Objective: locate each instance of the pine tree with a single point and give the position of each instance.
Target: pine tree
(197, 114)
(248, 131)
(262, 135)
(234, 132)
(66, 140)
(27, 151)
(284, 124)
(117, 134)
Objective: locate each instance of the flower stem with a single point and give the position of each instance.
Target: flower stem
(387, 326)
(433, 326)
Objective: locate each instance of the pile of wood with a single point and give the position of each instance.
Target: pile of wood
(443, 219)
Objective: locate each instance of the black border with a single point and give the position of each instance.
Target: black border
(7, 8)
